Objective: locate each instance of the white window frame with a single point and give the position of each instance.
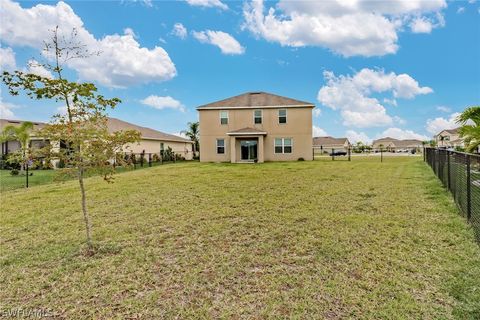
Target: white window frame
(220, 114)
(217, 146)
(286, 116)
(283, 146)
(255, 117)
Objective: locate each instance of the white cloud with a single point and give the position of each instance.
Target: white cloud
(318, 132)
(461, 10)
(122, 61)
(438, 124)
(7, 59)
(6, 109)
(161, 103)
(35, 67)
(421, 25)
(208, 4)
(351, 95)
(443, 109)
(366, 28)
(181, 134)
(401, 134)
(354, 137)
(317, 112)
(179, 30)
(226, 43)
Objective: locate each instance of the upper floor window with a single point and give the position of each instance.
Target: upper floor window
(223, 117)
(283, 145)
(282, 116)
(220, 146)
(257, 116)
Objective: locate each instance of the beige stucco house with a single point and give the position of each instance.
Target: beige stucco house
(392, 144)
(152, 141)
(327, 144)
(255, 127)
(449, 138)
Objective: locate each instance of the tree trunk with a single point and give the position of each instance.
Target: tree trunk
(86, 218)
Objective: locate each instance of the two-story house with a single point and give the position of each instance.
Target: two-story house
(448, 138)
(256, 127)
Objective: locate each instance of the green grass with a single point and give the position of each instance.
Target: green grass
(39, 177)
(323, 239)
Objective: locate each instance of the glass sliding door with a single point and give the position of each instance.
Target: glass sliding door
(248, 150)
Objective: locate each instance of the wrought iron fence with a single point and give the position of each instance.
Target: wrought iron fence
(460, 174)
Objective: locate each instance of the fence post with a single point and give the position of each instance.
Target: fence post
(27, 174)
(333, 154)
(381, 154)
(149, 159)
(469, 199)
(349, 154)
(448, 170)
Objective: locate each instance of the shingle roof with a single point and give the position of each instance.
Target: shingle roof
(114, 125)
(399, 143)
(246, 131)
(326, 141)
(256, 99)
(147, 133)
(451, 131)
(6, 122)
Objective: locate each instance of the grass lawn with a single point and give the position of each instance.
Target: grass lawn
(9, 182)
(323, 239)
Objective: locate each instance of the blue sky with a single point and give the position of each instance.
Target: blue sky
(398, 68)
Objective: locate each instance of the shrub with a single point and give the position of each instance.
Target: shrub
(14, 172)
(301, 159)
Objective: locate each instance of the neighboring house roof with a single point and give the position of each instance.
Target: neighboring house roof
(16, 123)
(449, 131)
(246, 131)
(398, 143)
(147, 133)
(327, 141)
(114, 125)
(255, 100)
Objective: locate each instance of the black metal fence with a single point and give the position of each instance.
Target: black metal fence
(460, 174)
(347, 153)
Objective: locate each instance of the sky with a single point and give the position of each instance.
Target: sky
(372, 68)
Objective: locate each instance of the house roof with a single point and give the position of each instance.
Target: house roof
(450, 131)
(255, 100)
(147, 133)
(246, 131)
(11, 122)
(398, 143)
(326, 141)
(113, 125)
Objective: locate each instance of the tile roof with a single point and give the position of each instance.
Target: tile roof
(326, 141)
(256, 99)
(114, 125)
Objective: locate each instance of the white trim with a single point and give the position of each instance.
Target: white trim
(261, 116)
(224, 145)
(220, 115)
(258, 107)
(286, 116)
(283, 145)
(246, 133)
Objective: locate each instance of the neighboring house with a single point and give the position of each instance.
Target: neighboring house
(256, 127)
(152, 141)
(449, 138)
(12, 146)
(392, 144)
(328, 144)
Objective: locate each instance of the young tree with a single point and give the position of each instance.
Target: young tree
(22, 135)
(193, 134)
(470, 129)
(82, 129)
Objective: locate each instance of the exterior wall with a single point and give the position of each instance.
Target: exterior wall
(153, 146)
(298, 127)
(447, 139)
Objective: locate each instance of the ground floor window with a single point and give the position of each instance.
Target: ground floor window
(220, 146)
(283, 145)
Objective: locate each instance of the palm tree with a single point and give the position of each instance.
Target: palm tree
(22, 135)
(193, 134)
(470, 129)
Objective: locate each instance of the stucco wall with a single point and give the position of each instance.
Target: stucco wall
(298, 127)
